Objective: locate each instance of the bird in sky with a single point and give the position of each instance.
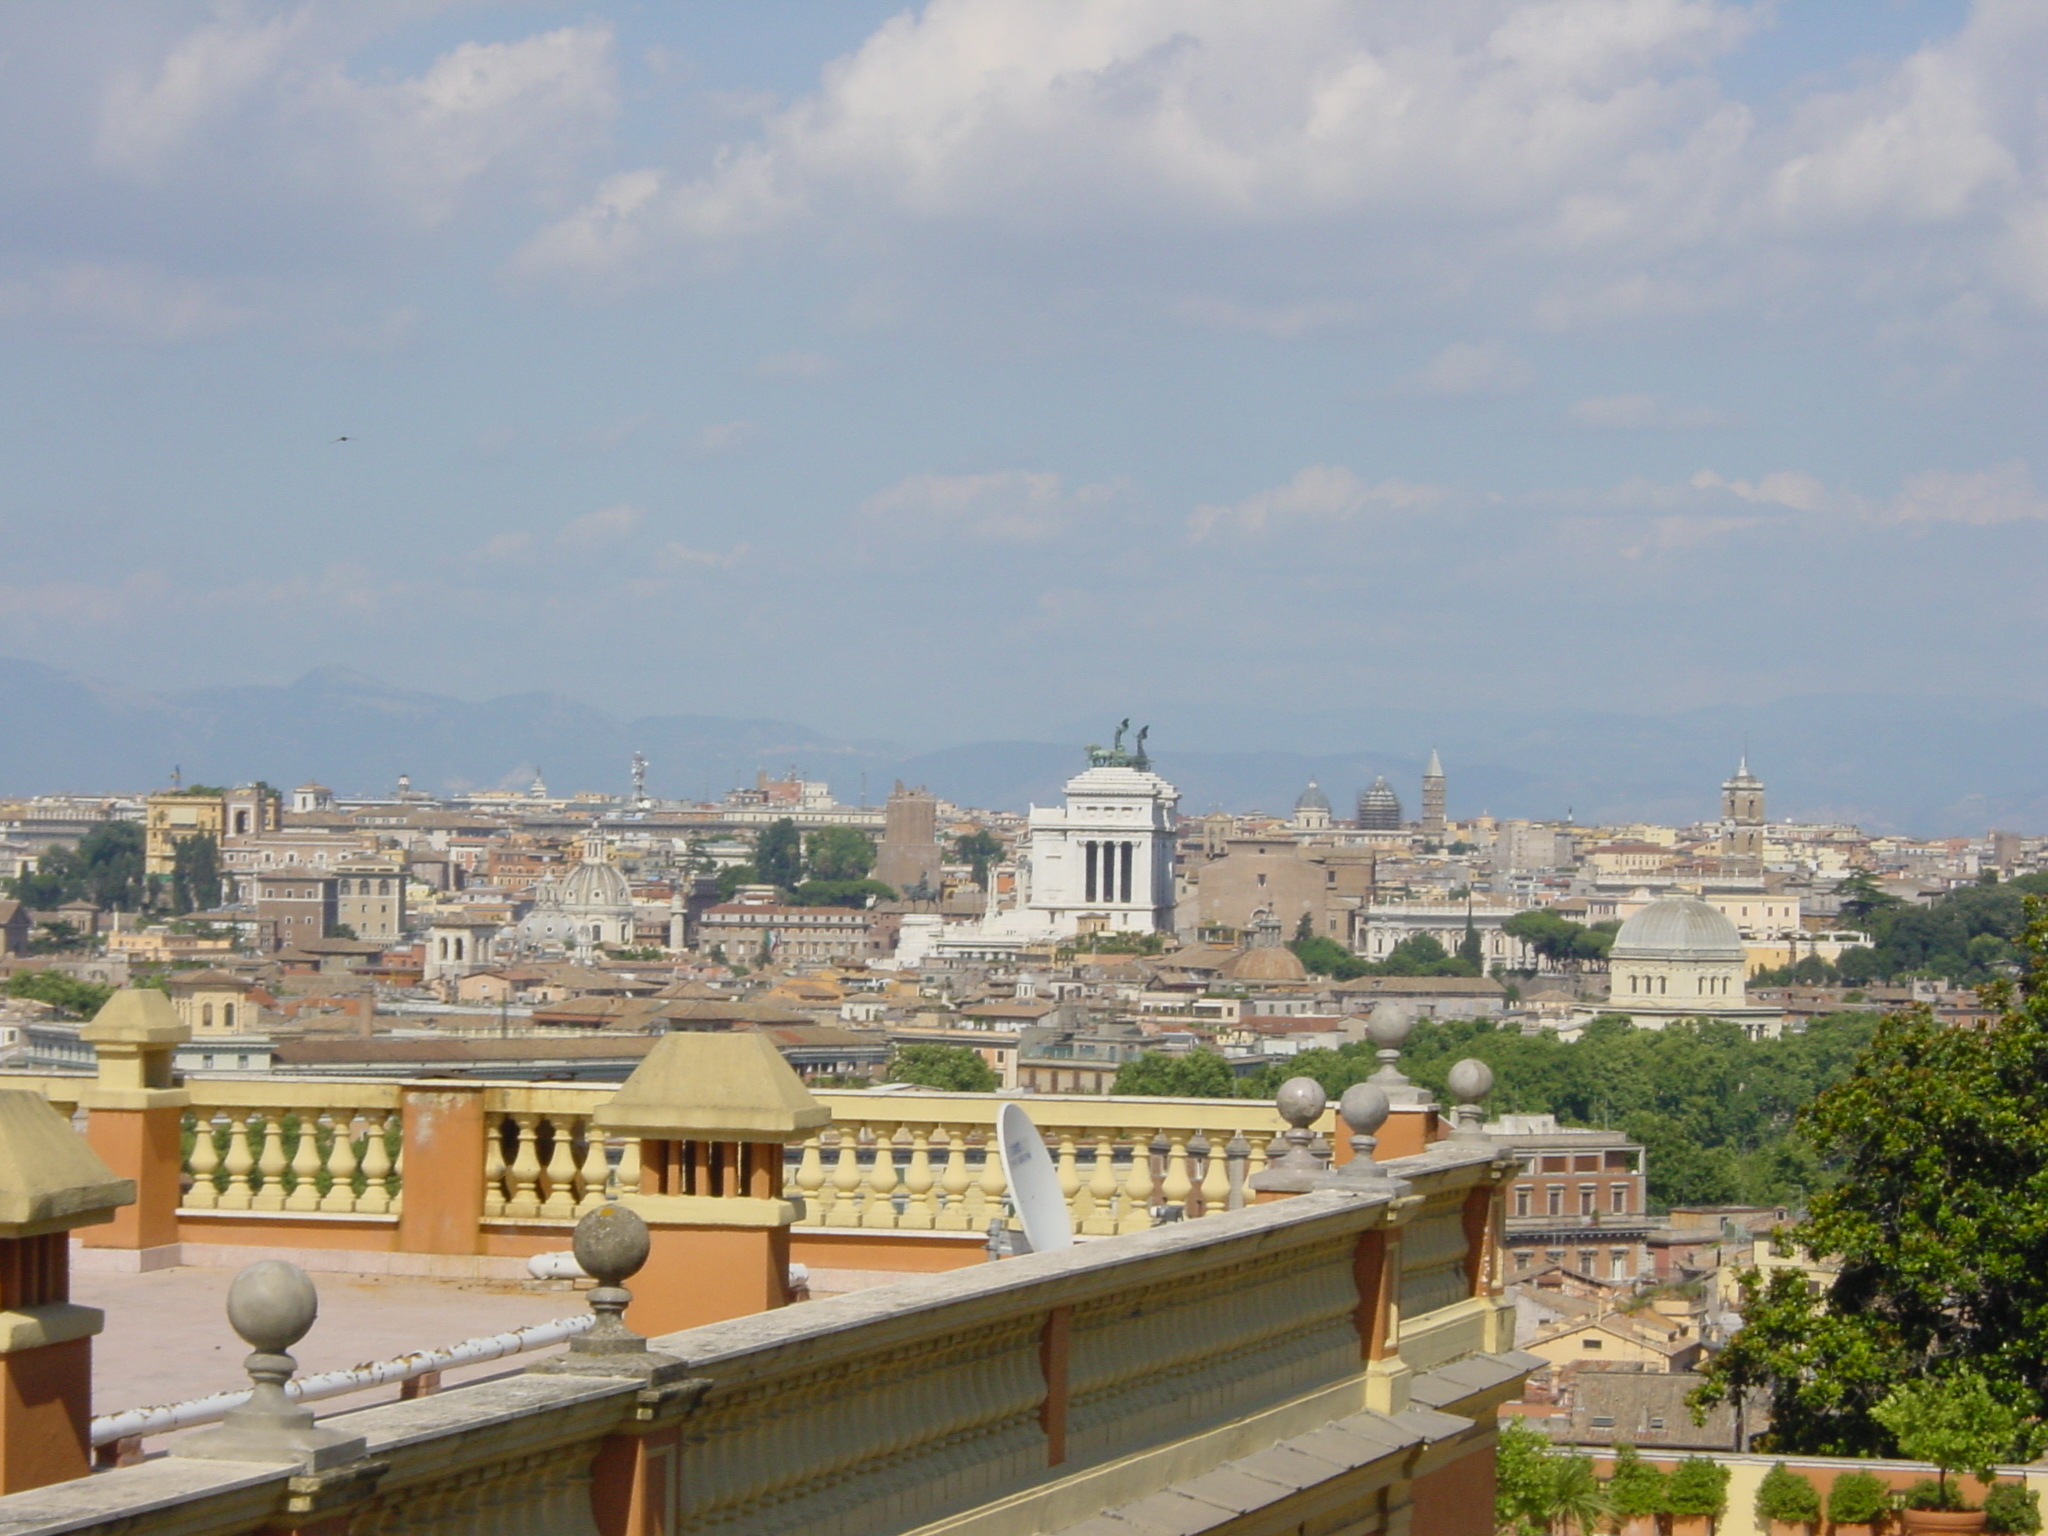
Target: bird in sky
(344, 439)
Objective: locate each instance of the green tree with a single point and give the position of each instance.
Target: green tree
(779, 854)
(195, 873)
(1574, 1503)
(954, 1068)
(1521, 1479)
(1635, 1488)
(80, 999)
(1864, 905)
(733, 876)
(1323, 956)
(1787, 1498)
(841, 893)
(1201, 1074)
(977, 850)
(1470, 951)
(105, 869)
(839, 853)
(1938, 1223)
(1956, 1423)
(1697, 1487)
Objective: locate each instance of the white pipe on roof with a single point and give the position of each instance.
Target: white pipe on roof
(134, 1422)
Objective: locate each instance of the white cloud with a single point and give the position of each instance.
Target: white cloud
(271, 105)
(723, 437)
(123, 301)
(1325, 493)
(1792, 488)
(506, 546)
(1471, 368)
(1637, 412)
(1010, 506)
(607, 525)
(677, 556)
(2002, 494)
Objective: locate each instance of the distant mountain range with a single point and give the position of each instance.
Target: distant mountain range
(1895, 764)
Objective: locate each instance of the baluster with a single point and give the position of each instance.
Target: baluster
(524, 1197)
(1178, 1185)
(953, 1182)
(845, 1211)
(1215, 1177)
(809, 1185)
(375, 1199)
(560, 1201)
(341, 1164)
(305, 1165)
(494, 1165)
(1101, 1216)
(1137, 1214)
(1072, 1190)
(985, 1201)
(921, 1211)
(626, 1177)
(270, 1163)
(595, 1170)
(237, 1196)
(398, 1178)
(203, 1195)
(880, 1207)
(1235, 1155)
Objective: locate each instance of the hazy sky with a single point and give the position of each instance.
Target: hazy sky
(969, 367)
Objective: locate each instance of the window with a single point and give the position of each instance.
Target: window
(1617, 1264)
(1592, 1342)
(1617, 1198)
(1656, 1423)
(1522, 1200)
(1557, 1200)
(1587, 1194)
(1602, 1421)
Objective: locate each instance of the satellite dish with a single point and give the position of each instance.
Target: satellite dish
(1034, 1182)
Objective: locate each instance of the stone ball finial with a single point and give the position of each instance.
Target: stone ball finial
(1389, 1027)
(272, 1305)
(1364, 1108)
(1469, 1080)
(611, 1244)
(1300, 1100)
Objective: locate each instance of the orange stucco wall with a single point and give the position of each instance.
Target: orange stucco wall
(143, 1145)
(698, 1275)
(45, 1413)
(855, 1249)
(1457, 1500)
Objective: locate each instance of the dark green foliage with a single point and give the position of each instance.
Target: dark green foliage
(1561, 942)
(1970, 936)
(1115, 944)
(1419, 955)
(841, 893)
(105, 869)
(1521, 1480)
(2012, 1509)
(1714, 1107)
(1957, 1423)
(779, 854)
(80, 999)
(978, 850)
(1201, 1074)
(839, 854)
(1785, 1495)
(954, 1068)
(1858, 1498)
(1933, 1493)
(1698, 1487)
(1636, 1488)
(1939, 1225)
(733, 876)
(195, 873)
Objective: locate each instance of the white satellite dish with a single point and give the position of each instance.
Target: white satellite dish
(1034, 1182)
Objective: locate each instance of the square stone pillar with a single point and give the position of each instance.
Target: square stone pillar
(50, 1183)
(712, 1113)
(136, 1118)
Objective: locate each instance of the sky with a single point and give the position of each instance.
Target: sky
(971, 368)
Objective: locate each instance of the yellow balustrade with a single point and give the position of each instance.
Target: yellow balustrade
(296, 1146)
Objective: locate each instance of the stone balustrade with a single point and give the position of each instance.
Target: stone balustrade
(294, 1145)
(1241, 1371)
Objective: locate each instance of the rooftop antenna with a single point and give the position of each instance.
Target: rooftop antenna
(177, 776)
(639, 782)
(1034, 1183)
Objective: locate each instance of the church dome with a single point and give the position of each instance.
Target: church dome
(1269, 962)
(1678, 928)
(1379, 808)
(592, 885)
(1312, 799)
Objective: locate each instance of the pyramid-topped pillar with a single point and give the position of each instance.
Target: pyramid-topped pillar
(135, 1118)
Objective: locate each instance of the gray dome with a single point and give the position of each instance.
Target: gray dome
(1678, 928)
(594, 885)
(1312, 799)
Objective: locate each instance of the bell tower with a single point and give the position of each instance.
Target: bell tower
(1742, 814)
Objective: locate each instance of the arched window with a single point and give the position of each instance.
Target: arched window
(227, 1015)
(206, 1015)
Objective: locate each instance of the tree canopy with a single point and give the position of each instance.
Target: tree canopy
(105, 869)
(195, 874)
(779, 854)
(1562, 943)
(839, 854)
(953, 1068)
(1968, 936)
(1200, 1074)
(841, 893)
(1417, 955)
(977, 850)
(1938, 1226)
(80, 999)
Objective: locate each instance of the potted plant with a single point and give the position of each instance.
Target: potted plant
(1576, 1503)
(1857, 1501)
(1957, 1424)
(1787, 1503)
(1636, 1490)
(1696, 1496)
(2012, 1509)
